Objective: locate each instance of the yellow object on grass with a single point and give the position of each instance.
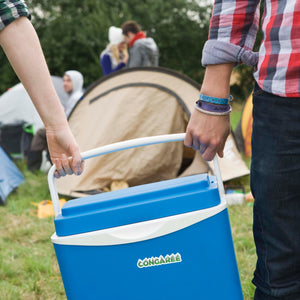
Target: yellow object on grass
(45, 208)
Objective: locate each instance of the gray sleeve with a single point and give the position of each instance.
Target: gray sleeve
(218, 52)
(136, 57)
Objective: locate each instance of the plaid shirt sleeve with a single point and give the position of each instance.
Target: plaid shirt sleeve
(11, 10)
(232, 33)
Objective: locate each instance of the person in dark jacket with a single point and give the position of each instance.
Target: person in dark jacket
(143, 51)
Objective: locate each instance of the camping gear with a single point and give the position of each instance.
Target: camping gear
(10, 176)
(163, 240)
(134, 103)
(243, 131)
(45, 208)
(19, 119)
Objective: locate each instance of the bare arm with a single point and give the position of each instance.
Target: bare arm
(211, 131)
(22, 47)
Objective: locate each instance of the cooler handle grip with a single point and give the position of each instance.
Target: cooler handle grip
(134, 143)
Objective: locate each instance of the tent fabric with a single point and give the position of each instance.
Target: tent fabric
(129, 104)
(16, 106)
(10, 176)
(243, 131)
(17, 114)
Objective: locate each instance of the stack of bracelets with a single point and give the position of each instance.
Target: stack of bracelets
(214, 106)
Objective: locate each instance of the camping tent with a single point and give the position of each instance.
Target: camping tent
(135, 103)
(10, 176)
(18, 112)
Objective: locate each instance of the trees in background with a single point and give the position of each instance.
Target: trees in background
(74, 32)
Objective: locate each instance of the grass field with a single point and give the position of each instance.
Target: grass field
(28, 266)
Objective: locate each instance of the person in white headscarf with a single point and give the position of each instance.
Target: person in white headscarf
(73, 86)
(115, 56)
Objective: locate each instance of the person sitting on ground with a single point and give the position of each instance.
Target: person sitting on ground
(115, 56)
(143, 51)
(73, 86)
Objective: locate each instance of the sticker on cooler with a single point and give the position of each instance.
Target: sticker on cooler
(158, 261)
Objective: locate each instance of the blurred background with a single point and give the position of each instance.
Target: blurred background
(73, 33)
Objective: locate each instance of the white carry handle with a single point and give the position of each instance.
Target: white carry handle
(134, 143)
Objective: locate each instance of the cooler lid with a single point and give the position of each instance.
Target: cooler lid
(137, 204)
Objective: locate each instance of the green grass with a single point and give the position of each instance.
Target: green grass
(28, 266)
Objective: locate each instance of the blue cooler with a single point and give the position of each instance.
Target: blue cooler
(169, 240)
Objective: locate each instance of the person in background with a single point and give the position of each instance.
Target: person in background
(143, 51)
(73, 86)
(115, 56)
(275, 161)
(29, 64)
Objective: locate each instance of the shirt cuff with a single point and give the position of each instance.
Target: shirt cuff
(219, 52)
(11, 11)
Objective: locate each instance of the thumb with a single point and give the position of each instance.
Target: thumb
(77, 163)
(221, 150)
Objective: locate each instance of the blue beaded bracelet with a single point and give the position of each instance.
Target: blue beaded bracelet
(223, 101)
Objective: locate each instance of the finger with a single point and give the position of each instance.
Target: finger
(188, 140)
(202, 148)
(77, 164)
(56, 174)
(59, 167)
(196, 143)
(81, 168)
(209, 153)
(66, 165)
(221, 150)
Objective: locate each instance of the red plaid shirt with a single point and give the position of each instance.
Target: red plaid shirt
(233, 29)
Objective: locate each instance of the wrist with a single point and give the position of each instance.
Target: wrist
(213, 109)
(56, 121)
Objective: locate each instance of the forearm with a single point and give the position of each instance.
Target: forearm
(216, 81)
(22, 48)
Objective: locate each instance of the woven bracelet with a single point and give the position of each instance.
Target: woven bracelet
(211, 109)
(214, 100)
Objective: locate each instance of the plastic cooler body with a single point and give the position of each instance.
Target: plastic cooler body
(166, 240)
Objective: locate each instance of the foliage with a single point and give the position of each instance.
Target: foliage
(73, 33)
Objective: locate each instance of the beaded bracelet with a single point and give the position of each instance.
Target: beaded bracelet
(211, 109)
(214, 100)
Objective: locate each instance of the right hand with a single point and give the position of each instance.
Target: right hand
(62, 145)
(207, 134)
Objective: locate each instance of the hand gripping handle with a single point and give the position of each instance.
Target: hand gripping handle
(134, 143)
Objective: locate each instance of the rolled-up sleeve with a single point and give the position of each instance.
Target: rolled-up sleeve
(232, 33)
(11, 10)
